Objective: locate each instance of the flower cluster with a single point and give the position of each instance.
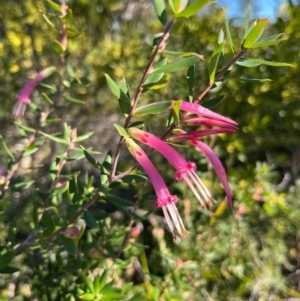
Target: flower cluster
(184, 170)
(24, 96)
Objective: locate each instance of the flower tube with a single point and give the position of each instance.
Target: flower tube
(201, 111)
(198, 134)
(24, 96)
(184, 170)
(165, 200)
(216, 163)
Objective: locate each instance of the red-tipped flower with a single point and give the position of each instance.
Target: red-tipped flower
(185, 170)
(24, 96)
(165, 200)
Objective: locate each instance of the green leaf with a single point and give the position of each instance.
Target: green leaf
(228, 35)
(118, 201)
(6, 258)
(153, 108)
(171, 3)
(54, 5)
(255, 33)
(50, 121)
(68, 17)
(106, 168)
(272, 40)
(247, 63)
(134, 179)
(158, 85)
(68, 244)
(177, 65)
(70, 70)
(124, 101)
(87, 296)
(212, 102)
(88, 282)
(102, 281)
(24, 127)
(48, 21)
(9, 269)
(83, 137)
(47, 98)
(176, 110)
(259, 80)
(124, 87)
(214, 61)
(268, 63)
(9, 153)
(155, 77)
(54, 138)
(25, 184)
(121, 130)
(190, 78)
(74, 100)
(89, 219)
(30, 149)
(58, 47)
(160, 10)
(90, 158)
(183, 54)
(47, 219)
(179, 5)
(192, 9)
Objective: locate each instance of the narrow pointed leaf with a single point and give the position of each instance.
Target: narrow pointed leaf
(30, 150)
(91, 159)
(121, 130)
(272, 40)
(83, 137)
(228, 35)
(214, 61)
(160, 9)
(68, 244)
(74, 100)
(269, 63)
(158, 85)
(54, 5)
(48, 21)
(190, 78)
(179, 5)
(255, 33)
(212, 102)
(192, 9)
(124, 101)
(54, 138)
(155, 77)
(259, 80)
(171, 3)
(116, 200)
(177, 65)
(247, 63)
(153, 108)
(7, 150)
(89, 219)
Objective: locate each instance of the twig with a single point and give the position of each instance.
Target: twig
(137, 96)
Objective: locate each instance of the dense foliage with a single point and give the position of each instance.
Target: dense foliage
(77, 216)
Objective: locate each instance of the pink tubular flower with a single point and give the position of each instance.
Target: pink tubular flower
(185, 170)
(165, 200)
(198, 121)
(198, 134)
(201, 111)
(216, 163)
(24, 96)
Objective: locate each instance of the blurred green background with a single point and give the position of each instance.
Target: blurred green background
(251, 252)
